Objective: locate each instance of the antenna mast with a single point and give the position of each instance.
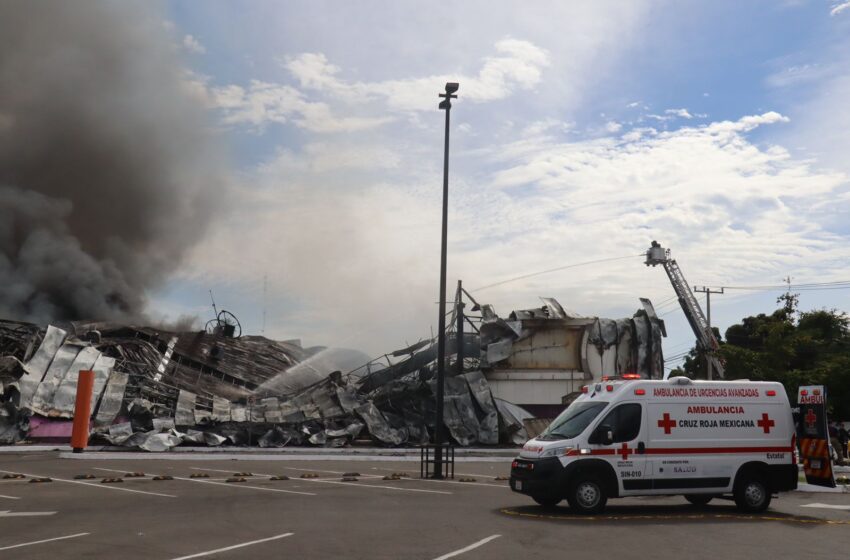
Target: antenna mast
(265, 286)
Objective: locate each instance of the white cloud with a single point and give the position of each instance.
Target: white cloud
(613, 127)
(263, 103)
(195, 86)
(799, 74)
(545, 126)
(518, 65)
(820, 129)
(192, 45)
(355, 233)
(819, 106)
(838, 8)
(671, 114)
(681, 113)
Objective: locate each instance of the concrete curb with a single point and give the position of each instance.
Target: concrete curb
(13, 449)
(294, 453)
(170, 456)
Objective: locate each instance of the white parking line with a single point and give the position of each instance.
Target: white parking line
(44, 541)
(468, 548)
(303, 469)
(444, 481)
(228, 484)
(9, 497)
(491, 475)
(409, 478)
(234, 547)
(826, 506)
(324, 481)
(96, 485)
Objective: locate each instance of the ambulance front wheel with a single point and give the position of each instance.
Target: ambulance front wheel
(752, 494)
(587, 495)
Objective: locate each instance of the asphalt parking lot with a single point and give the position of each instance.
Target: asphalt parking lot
(370, 518)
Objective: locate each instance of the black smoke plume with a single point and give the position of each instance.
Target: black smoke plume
(108, 174)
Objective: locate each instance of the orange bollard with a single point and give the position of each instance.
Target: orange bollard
(82, 411)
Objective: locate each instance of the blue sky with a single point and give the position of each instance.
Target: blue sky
(582, 131)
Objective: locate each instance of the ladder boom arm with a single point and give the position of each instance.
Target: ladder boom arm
(690, 305)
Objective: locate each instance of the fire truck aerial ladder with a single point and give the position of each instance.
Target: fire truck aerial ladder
(706, 340)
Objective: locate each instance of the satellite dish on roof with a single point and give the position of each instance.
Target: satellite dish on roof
(225, 324)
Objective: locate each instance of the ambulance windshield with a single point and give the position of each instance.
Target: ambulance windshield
(573, 420)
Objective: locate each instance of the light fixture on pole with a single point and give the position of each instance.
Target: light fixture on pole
(446, 105)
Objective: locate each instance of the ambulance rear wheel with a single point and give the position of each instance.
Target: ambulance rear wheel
(752, 494)
(546, 500)
(699, 499)
(587, 495)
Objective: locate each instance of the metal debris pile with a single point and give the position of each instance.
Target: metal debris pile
(155, 389)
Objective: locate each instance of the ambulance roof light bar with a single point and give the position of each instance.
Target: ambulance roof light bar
(623, 377)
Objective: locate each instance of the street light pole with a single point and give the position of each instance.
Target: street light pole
(446, 105)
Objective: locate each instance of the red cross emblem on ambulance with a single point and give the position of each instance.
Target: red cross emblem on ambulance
(765, 423)
(811, 418)
(667, 423)
(624, 451)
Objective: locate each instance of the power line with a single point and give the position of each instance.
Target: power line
(676, 357)
(666, 307)
(664, 302)
(837, 285)
(665, 312)
(565, 267)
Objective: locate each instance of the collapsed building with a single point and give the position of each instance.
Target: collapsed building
(156, 389)
(539, 358)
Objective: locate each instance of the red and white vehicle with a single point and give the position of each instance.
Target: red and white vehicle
(635, 437)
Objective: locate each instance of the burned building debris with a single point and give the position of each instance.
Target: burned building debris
(535, 357)
(155, 389)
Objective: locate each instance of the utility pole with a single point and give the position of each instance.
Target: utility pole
(459, 329)
(708, 291)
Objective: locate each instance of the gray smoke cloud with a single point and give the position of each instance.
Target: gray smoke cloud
(108, 173)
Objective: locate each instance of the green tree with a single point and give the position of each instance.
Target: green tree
(794, 348)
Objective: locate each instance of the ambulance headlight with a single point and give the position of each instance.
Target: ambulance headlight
(556, 452)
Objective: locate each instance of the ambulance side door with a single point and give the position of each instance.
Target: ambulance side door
(627, 423)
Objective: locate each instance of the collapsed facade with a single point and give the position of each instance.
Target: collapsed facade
(156, 389)
(538, 357)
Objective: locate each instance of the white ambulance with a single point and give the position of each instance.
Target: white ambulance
(634, 437)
